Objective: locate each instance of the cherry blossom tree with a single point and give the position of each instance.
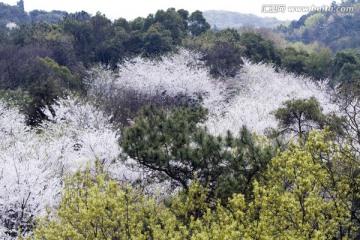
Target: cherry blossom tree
(249, 98)
(34, 161)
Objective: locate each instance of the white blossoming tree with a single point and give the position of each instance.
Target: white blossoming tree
(249, 98)
(33, 162)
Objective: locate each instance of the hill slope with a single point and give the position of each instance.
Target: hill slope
(226, 19)
(336, 30)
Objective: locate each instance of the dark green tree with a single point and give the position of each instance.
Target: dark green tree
(184, 14)
(349, 74)
(103, 34)
(249, 161)
(3, 37)
(293, 60)
(46, 81)
(197, 24)
(224, 59)
(341, 58)
(172, 21)
(157, 41)
(80, 28)
(137, 24)
(319, 65)
(221, 51)
(346, 69)
(303, 115)
(123, 23)
(148, 21)
(15, 14)
(299, 115)
(80, 16)
(176, 148)
(22, 35)
(135, 43)
(173, 145)
(259, 49)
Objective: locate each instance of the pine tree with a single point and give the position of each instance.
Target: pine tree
(175, 146)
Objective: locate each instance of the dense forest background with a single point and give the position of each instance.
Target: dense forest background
(67, 44)
(177, 126)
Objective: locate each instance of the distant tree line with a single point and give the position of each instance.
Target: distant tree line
(334, 29)
(65, 47)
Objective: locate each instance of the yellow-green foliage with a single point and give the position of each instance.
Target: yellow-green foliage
(315, 19)
(95, 207)
(307, 194)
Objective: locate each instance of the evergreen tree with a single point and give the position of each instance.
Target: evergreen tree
(20, 5)
(174, 146)
(197, 23)
(302, 115)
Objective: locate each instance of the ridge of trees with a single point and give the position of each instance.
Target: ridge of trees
(334, 29)
(80, 41)
(220, 19)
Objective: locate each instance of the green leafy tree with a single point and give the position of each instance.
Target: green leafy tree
(293, 60)
(299, 115)
(157, 41)
(45, 81)
(184, 14)
(123, 23)
(103, 34)
(319, 65)
(15, 14)
(197, 24)
(307, 193)
(135, 43)
(303, 115)
(80, 28)
(221, 51)
(96, 207)
(250, 156)
(172, 21)
(224, 59)
(346, 69)
(341, 58)
(21, 36)
(137, 24)
(349, 74)
(20, 5)
(259, 49)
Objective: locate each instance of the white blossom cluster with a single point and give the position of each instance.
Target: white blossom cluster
(247, 99)
(33, 162)
(262, 90)
(175, 74)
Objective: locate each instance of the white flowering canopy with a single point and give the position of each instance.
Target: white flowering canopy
(33, 162)
(247, 99)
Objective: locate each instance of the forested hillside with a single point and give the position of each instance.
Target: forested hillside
(338, 30)
(225, 19)
(162, 128)
(10, 15)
